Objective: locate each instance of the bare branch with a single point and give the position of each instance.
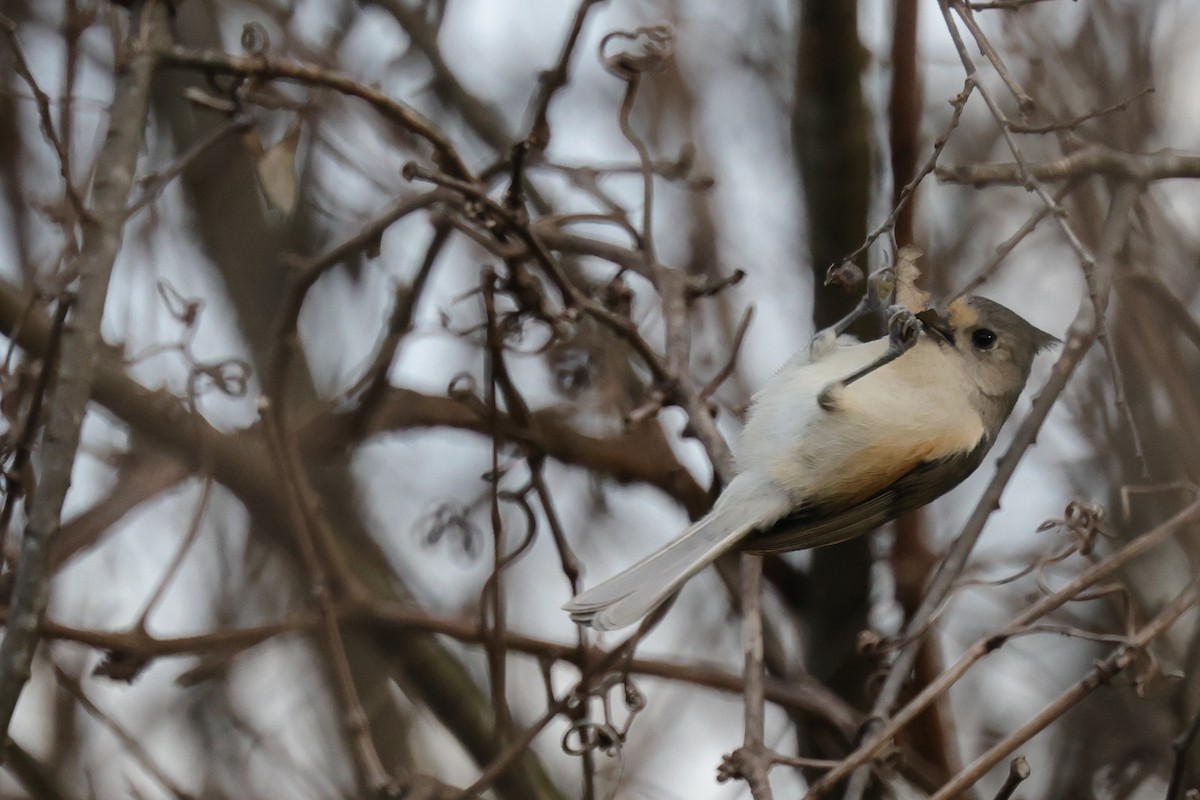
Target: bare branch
(880, 734)
(1182, 745)
(1024, 102)
(1018, 772)
(959, 104)
(1100, 675)
(128, 740)
(1086, 162)
(556, 78)
(61, 143)
(80, 346)
(261, 66)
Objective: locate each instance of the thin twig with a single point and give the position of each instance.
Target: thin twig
(141, 475)
(61, 144)
(567, 559)
(132, 744)
(370, 388)
(493, 592)
(264, 67)
(1003, 5)
(1120, 399)
(556, 78)
(1025, 103)
(985, 272)
(513, 751)
(1075, 122)
(485, 121)
(309, 272)
(372, 773)
(730, 364)
(153, 185)
(189, 539)
(647, 171)
(1018, 772)
(959, 104)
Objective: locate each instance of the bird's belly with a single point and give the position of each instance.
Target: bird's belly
(882, 426)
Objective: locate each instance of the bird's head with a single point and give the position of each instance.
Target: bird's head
(997, 347)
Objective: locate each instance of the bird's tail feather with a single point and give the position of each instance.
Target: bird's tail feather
(630, 595)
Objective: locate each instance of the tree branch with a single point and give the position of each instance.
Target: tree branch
(260, 66)
(1087, 162)
(1101, 674)
(117, 163)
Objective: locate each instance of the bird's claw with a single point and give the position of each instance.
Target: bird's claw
(903, 328)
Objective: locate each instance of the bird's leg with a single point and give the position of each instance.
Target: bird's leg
(903, 330)
(825, 342)
(879, 288)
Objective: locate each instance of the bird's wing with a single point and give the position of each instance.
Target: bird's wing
(830, 522)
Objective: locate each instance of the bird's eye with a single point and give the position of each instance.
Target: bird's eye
(984, 339)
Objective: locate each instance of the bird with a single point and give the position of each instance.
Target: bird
(843, 438)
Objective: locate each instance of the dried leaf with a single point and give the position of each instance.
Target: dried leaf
(907, 273)
(277, 171)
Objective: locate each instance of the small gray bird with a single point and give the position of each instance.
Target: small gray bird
(843, 439)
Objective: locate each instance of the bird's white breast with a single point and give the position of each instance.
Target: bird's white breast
(917, 408)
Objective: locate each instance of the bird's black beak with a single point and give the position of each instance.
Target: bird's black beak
(937, 324)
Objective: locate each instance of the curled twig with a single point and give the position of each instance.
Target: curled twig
(651, 47)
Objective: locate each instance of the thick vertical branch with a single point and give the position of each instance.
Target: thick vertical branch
(904, 113)
(102, 232)
(831, 136)
(14, 488)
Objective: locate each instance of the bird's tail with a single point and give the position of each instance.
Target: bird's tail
(630, 595)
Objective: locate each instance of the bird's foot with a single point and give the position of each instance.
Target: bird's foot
(903, 329)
